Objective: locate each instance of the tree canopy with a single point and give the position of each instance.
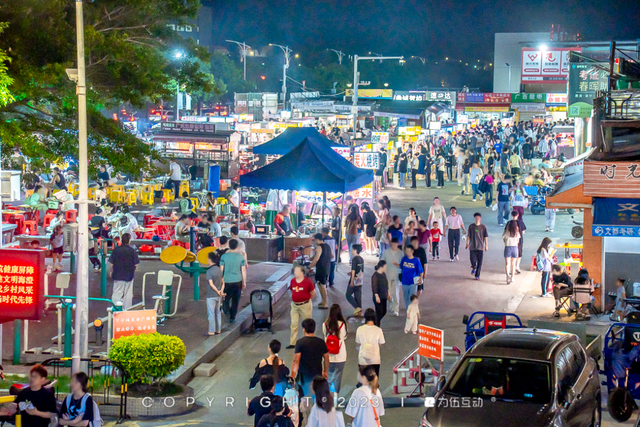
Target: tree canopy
(129, 59)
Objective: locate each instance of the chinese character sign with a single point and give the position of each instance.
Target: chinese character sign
(365, 192)
(496, 98)
(585, 79)
(430, 342)
(380, 138)
(134, 322)
(343, 151)
(366, 160)
(545, 66)
(612, 179)
(557, 98)
(21, 284)
(518, 98)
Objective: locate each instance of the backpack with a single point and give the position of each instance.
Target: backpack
(333, 342)
(539, 262)
(97, 421)
(482, 185)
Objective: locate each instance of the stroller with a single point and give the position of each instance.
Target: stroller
(261, 310)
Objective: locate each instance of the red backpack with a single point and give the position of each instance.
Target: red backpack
(333, 342)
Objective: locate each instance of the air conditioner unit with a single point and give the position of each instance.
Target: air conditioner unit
(70, 233)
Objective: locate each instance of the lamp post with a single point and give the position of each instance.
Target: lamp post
(509, 65)
(81, 338)
(340, 55)
(287, 57)
(356, 80)
(178, 55)
(244, 49)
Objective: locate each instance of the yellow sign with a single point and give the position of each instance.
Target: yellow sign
(409, 130)
(284, 125)
(261, 130)
(487, 109)
(371, 93)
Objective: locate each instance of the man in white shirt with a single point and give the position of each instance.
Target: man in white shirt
(393, 257)
(175, 176)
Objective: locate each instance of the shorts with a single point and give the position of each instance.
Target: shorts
(371, 232)
(321, 277)
(505, 170)
(421, 287)
(59, 250)
(515, 171)
(511, 252)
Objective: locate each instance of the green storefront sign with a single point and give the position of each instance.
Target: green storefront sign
(585, 79)
(520, 98)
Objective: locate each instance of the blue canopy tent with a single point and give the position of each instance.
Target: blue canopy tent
(310, 166)
(291, 138)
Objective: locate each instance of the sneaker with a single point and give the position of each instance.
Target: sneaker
(289, 347)
(518, 271)
(556, 313)
(476, 278)
(500, 225)
(451, 260)
(438, 257)
(473, 271)
(473, 200)
(357, 312)
(462, 193)
(551, 230)
(480, 197)
(547, 230)
(396, 314)
(433, 258)
(457, 258)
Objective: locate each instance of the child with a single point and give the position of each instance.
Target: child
(93, 251)
(57, 240)
(413, 316)
(435, 240)
(35, 244)
(621, 294)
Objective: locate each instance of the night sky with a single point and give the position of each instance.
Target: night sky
(462, 29)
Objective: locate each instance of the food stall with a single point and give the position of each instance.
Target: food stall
(199, 144)
(565, 138)
(307, 166)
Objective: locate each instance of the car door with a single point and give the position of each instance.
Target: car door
(583, 395)
(565, 379)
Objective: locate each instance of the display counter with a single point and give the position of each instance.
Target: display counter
(261, 248)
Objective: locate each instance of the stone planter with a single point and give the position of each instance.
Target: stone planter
(151, 406)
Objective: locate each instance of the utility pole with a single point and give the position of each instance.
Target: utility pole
(287, 57)
(356, 80)
(244, 49)
(81, 338)
(340, 55)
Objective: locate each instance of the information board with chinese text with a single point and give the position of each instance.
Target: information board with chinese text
(21, 284)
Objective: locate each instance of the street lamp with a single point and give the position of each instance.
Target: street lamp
(424, 60)
(509, 65)
(244, 49)
(379, 55)
(386, 84)
(356, 80)
(178, 55)
(340, 55)
(287, 57)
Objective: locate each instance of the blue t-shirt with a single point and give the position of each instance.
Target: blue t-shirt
(410, 268)
(396, 232)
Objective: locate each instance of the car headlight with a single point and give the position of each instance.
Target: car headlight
(425, 422)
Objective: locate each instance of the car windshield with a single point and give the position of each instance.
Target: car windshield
(506, 379)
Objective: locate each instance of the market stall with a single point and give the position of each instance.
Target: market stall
(291, 138)
(309, 166)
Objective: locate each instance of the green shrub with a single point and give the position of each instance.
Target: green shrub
(148, 358)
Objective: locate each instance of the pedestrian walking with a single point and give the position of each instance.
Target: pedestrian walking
(437, 213)
(510, 237)
(279, 416)
(396, 230)
(57, 246)
(352, 224)
(322, 262)
(234, 276)
(466, 169)
(420, 253)
(335, 333)
(486, 188)
(323, 413)
(544, 256)
(440, 168)
(311, 358)
(336, 230)
(413, 216)
(124, 261)
(215, 294)
(454, 226)
(369, 338)
(518, 198)
(380, 290)
(413, 316)
(393, 257)
(436, 234)
(424, 236)
(477, 243)
(414, 169)
(411, 274)
(549, 219)
(329, 240)
(273, 366)
(302, 293)
(402, 169)
(369, 218)
(175, 177)
(475, 175)
(367, 406)
(428, 164)
(382, 234)
(354, 289)
(515, 216)
(503, 192)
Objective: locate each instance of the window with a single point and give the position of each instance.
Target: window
(509, 379)
(180, 28)
(172, 26)
(188, 28)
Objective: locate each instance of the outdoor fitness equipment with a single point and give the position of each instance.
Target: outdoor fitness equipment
(179, 256)
(165, 279)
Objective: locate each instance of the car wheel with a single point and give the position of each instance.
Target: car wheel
(596, 419)
(536, 209)
(620, 404)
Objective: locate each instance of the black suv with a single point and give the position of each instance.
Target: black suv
(519, 377)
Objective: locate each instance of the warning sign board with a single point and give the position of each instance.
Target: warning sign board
(431, 342)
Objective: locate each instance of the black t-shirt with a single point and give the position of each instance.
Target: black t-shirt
(261, 405)
(324, 262)
(280, 421)
(562, 278)
(336, 222)
(103, 176)
(312, 351)
(124, 259)
(521, 227)
(357, 264)
(370, 219)
(526, 150)
(75, 408)
(43, 400)
(421, 254)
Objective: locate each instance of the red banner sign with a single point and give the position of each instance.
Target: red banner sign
(430, 342)
(21, 284)
(497, 98)
(133, 322)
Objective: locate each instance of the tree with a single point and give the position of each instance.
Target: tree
(214, 95)
(5, 80)
(129, 59)
(226, 70)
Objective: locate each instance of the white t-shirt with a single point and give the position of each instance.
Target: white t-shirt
(319, 418)
(241, 246)
(342, 354)
(360, 408)
(234, 197)
(369, 338)
(436, 212)
(216, 230)
(176, 174)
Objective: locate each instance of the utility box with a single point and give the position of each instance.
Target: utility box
(10, 188)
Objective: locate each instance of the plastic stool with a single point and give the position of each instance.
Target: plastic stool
(184, 187)
(31, 227)
(116, 196)
(18, 220)
(47, 220)
(195, 202)
(182, 244)
(70, 216)
(91, 195)
(147, 198)
(168, 195)
(131, 198)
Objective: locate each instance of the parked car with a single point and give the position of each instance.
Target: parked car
(520, 377)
